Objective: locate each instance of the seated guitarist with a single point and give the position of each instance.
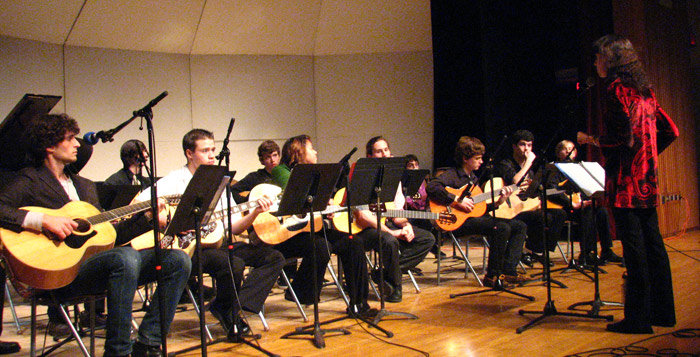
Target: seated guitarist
(397, 234)
(591, 221)
(199, 149)
(300, 150)
(512, 170)
(117, 271)
(505, 236)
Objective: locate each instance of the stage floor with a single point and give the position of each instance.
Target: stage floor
(482, 325)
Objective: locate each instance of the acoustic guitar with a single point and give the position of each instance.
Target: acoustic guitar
(514, 205)
(479, 197)
(212, 233)
(43, 261)
(340, 219)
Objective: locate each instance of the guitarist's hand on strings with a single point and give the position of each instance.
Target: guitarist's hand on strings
(264, 204)
(162, 217)
(60, 227)
(466, 205)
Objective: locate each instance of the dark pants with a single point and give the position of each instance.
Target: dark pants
(412, 253)
(351, 253)
(506, 238)
(390, 252)
(536, 231)
(649, 293)
(593, 221)
(301, 246)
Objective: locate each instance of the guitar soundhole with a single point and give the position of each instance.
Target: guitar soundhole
(83, 225)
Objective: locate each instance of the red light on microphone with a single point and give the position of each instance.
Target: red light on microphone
(578, 85)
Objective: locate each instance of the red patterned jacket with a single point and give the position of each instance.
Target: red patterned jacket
(637, 130)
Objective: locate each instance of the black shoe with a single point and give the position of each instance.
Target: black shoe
(611, 257)
(527, 260)
(590, 259)
(435, 251)
(623, 326)
(141, 350)
(100, 320)
(363, 310)
(59, 330)
(663, 322)
(222, 314)
(281, 282)
(9, 347)
(385, 289)
(540, 258)
(415, 271)
(396, 296)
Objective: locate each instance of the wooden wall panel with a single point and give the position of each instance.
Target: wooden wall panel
(659, 31)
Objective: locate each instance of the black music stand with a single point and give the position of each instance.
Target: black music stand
(411, 181)
(375, 181)
(309, 189)
(589, 177)
(549, 307)
(115, 196)
(195, 207)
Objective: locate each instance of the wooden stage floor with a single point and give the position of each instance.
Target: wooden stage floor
(482, 325)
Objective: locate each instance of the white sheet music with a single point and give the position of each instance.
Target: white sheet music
(588, 176)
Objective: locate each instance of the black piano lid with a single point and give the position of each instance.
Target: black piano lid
(12, 145)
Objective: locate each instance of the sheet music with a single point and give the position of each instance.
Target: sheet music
(595, 170)
(583, 176)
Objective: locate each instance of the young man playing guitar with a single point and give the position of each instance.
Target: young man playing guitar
(397, 234)
(269, 157)
(118, 271)
(505, 236)
(199, 149)
(512, 170)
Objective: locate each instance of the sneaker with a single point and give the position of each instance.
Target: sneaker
(517, 279)
(495, 283)
(141, 350)
(59, 330)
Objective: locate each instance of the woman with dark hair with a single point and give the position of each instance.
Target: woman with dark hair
(300, 150)
(637, 130)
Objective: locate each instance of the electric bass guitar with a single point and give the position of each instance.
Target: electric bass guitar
(340, 219)
(43, 261)
(212, 233)
(479, 197)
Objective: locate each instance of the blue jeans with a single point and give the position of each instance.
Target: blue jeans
(120, 271)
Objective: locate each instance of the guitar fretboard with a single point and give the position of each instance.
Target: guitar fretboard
(124, 211)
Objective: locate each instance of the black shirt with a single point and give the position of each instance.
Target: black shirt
(248, 182)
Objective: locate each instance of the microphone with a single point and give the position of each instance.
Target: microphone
(92, 138)
(346, 158)
(151, 104)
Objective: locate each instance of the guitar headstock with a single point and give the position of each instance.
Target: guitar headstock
(447, 218)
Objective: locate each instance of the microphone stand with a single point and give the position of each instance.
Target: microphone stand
(224, 155)
(147, 114)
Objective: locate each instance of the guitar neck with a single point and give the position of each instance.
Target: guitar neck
(397, 213)
(487, 195)
(125, 211)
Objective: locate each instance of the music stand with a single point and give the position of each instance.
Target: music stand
(549, 307)
(309, 189)
(195, 207)
(589, 178)
(411, 181)
(115, 196)
(375, 181)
